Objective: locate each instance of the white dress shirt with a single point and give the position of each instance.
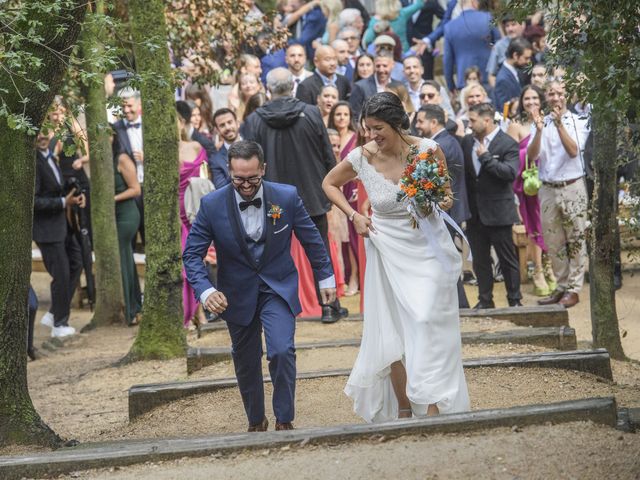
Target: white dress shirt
(555, 164)
(135, 140)
(414, 95)
(253, 222)
(56, 173)
(486, 141)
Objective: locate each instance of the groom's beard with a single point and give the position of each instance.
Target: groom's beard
(248, 196)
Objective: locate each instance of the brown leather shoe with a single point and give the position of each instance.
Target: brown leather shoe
(284, 426)
(260, 427)
(569, 299)
(555, 297)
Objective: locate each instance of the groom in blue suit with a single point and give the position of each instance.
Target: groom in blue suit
(250, 222)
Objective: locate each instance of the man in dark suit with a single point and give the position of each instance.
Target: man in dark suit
(60, 249)
(491, 161)
(227, 127)
(430, 123)
(344, 68)
(326, 62)
(128, 139)
(508, 84)
(377, 82)
(297, 152)
(422, 27)
(257, 280)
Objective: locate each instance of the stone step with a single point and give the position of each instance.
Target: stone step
(143, 398)
(561, 338)
(116, 454)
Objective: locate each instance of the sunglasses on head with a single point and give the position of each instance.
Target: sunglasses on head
(430, 96)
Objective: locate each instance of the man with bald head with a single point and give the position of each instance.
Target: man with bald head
(326, 63)
(344, 68)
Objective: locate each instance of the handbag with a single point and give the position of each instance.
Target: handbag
(531, 182)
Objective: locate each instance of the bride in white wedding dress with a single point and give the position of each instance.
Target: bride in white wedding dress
(410, 358)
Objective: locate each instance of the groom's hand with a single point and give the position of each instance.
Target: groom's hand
(216, 302)
(327, 295)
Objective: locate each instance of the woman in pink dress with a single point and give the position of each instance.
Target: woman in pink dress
(191, 158)
(341, 119)
(531, 100)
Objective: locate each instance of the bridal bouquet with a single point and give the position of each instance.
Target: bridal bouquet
(423, 181)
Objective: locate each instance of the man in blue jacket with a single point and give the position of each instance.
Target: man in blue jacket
(508, 84)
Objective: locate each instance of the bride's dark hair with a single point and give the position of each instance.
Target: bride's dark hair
(387, 107)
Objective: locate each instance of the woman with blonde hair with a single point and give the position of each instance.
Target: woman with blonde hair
(472, 94)
(397, 16)
(247, 63)
(249, 85)
(331, 9)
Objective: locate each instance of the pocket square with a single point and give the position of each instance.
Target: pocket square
(281, 230)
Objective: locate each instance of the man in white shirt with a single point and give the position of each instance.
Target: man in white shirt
(251, 223)
(296, 59)
(413, 71)
(128, 139)
(557, 141)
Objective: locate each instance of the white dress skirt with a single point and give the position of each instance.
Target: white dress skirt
(410, 308)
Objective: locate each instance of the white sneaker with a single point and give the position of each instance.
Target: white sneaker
(63, 331)
(47, 320)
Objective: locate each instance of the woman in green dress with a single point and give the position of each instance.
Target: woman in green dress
(127, 188)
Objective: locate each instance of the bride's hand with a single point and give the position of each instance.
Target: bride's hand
(363, 225)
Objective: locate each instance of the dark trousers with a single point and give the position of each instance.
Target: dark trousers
(32, 309)
(63, 261)
(427, 63)
(140, 204)
(322, 224)
(463, 302)
(274, 316)
(481, 238)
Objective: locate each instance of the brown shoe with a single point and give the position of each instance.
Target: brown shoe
(261, 427)
(284, 426)
(569, 299)
(555, 297)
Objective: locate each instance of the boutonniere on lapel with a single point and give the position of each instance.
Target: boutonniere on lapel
(275, 212)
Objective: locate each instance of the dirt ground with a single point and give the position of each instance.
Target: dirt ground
(578, 450)
(79, 392)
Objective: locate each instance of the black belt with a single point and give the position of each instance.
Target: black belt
(561, 184)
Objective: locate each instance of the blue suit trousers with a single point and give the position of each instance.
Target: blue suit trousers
(274, 316)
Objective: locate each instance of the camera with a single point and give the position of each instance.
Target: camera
(71, 183)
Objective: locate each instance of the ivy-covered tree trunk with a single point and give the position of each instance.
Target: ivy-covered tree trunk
(109, 296)
(604, 318)
(161, 334)
(19, 422)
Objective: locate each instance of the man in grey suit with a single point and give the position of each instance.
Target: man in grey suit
(491, 161)
(378, 82)
(430, 123)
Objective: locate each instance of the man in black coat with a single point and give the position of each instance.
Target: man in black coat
(60, 249)
(491, 165)
(430, 123)
(326, 62)
(297, 151)
(377, 82)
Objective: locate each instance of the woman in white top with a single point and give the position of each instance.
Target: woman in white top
(410, 359)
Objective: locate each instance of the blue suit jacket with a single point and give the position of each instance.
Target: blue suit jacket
(439, 31)
(507, 87)
(313, 25)
(218, 165)
(239, 275)
(455, 163)
(270, 61)
(467, 42)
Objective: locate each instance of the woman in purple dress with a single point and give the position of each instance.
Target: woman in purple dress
(341, 119)
(191, 157)
(531, 101)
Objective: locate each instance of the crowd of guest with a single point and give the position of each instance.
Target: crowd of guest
(497, 112)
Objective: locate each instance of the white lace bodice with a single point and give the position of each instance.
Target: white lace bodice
(382, 192)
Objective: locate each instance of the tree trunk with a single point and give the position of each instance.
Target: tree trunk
(604, 319)
(161, 334)
(109, 296)
(19, 422)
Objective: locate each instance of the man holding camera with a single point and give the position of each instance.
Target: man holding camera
(60, 249)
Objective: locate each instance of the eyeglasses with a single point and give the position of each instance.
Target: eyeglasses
(237, 181)
(430, 96)
(351, 38)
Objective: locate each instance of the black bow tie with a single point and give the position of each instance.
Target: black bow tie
(256, 202)
(133, 125)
